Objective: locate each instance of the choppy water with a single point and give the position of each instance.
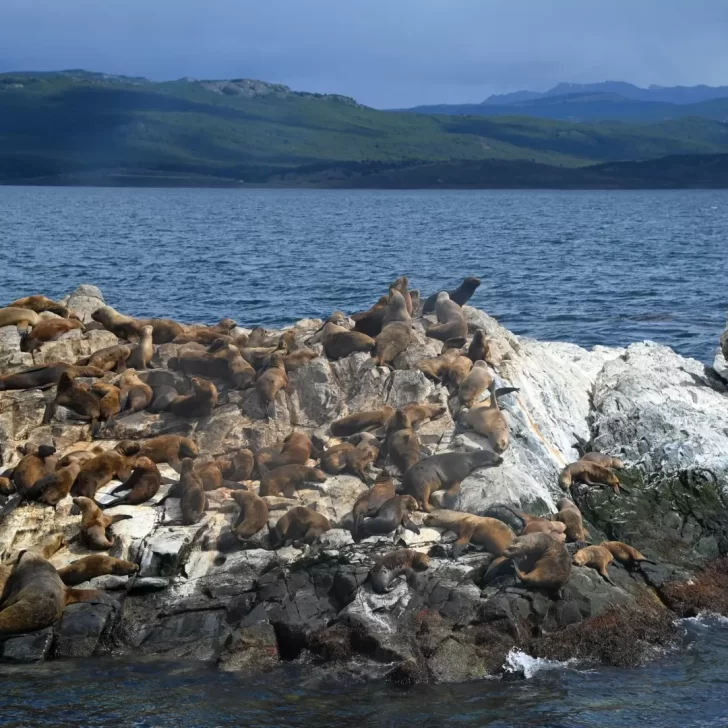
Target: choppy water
(588, 267)
(682, 690)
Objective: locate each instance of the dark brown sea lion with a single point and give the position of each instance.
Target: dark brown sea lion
(394, 564)
(444, 471)
(419, 413)
(479, 349)
(570, 516)
(47, 330)
(461, 295)
(75, 397)
(243, 464)
(339, 342)
(95, 523)
(39, 304)
(109, 400)
(52, 489)
(135, 395)
(193, 502)
(370, 322)
(7, 486)
(142, 352)
(369, 502)
(287, 478)
(361, 421)
(36, 464)
(21, 317)
(477, 381)
(451, 321)
(393, 513)
(597, 557)
(272, 381)
(299, 525)
(95, 565)
(590, 473)
(101, 469)
(541, 561)
(142, 485)
(199, 404)
(627, 555)
(296, 449)
(253, 514)
(169, 449)
(403, 445)
(350, 458)
(45, 376)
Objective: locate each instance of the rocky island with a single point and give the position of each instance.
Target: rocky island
(399, 596)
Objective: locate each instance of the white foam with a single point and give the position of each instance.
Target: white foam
(706, 619)
(521, 663)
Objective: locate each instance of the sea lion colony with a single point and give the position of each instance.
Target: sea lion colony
(211, 361)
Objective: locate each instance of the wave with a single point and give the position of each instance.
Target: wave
(519, 663)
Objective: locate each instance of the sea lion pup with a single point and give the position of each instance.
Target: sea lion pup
(392, 514)
(45, 376)
(169, 449)
(286, 479)
(109, 359)
(272, 381)
(361, 421)
(350, 458)
(444, 471)
(461, 295)
(35, 464)
(199, 404)
(487, 419)
(339, 342)
(193, 501)
(570, 516)
(101, 469)
(370, 322)
(95, 523)
(479, 349)
(296, 449)
(606, 461)
(143, 351)
(52, 489)
(299, 525)
(39, 304)
(597, 557)
(253, 514)
(419, 413)
(394, 564)
(541, 562)
(21, 317)
(135, 395)
(34, 595)
(494, 535)
(477, 381)
(142, 485)
(627, 555)
(89, 567)
(451, 321)
(589, 473)
(369, 502)
(125, 327)
(403, 445)
(47, 330)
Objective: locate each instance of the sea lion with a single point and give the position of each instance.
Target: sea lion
(287, 478)
(7, 487)
(202, 335)
(95, 523)
(170, 449)
(162, 398)
(39, 304)
(397, 310)
(34, 595)
(142, 352)
(494, 535)
(296, 449)
(339, 342)
(606, 461)
(52, 489)
(361, 421)
(394, 564)
(597, 557)
(479, 349)
(80, 456)
(75, 397)
(541, 561)
(125, 327)
(487, 419)
(135, 395)
(627, 555)
(21, 317)
(109, 400)
(460, 295)
(215, 474)
(164, 330)
(100, 470)
(392, 513)
(437, 368)
(299, 525)
(391, 342)
(299, 358)
(253, 514)
(109, 359)
(89, 567)
(419, 413)
(451, 321)
(199, 404)
(369, 502)
(243, 462)
(350, 458)
(45, 548)
(45, 376)
(458, 370)
(142, 485)
(403, 445)
(222, 361)
(590, 473)
(193, 502)
(47, 330)
(477, 381)
(524, 523)
(570, 516)
(35, 464)
(272, 381)
(444, 471)
(370, 322)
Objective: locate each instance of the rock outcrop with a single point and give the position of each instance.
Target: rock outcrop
(249, 607)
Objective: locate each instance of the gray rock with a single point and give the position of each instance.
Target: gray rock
(81, 627)
(32, 647)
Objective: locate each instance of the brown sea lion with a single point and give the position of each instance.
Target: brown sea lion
(135, 395)
(369, 502)
(570, 515)
(339, 342)
(299, 525)
(96, 472)
(524, 523)
(37, 463)
(392, 514)
(45, 376)
(34, 596)
(89, 567)
(350, 458)
(75, 397)
(370, 322)
(169, 449)
(606, 461)
(21, 317)
(109, 400)
(193, 501)
(479, 349)
(52, 489)
(45, 548)
(95, 523)
(437, 368)
(271, 381)
(403, 445)
(394, 564)
(164, 330)
(590, 473)
(143, 351)
(461, 295)
(216, 474)
(361, 421)
(487, 419)
(494, 535)
(459, 370)
(419, 413)
(202, 335)
(47, 330)
(80, 456)
(299, 358)
(125, 327)
(243, 463)
(451, 320)
(397, 310)
(627, 555)
(222, 361)
(296, 449)
(142, 485)
(444, 471)
(253, 514)
(39, 304)
(199, 404)
(541, 561)
(393, 339)
(597, 557)
(477, 381)
(287, 478)
(7, 487)
(109, 359)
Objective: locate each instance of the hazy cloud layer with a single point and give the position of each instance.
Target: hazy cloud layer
(383, 52)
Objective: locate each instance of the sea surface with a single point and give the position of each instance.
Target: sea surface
(588, 267)
(593, 268)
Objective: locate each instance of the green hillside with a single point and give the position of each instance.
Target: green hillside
(76, 123)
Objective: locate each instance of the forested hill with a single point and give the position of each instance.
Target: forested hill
(76, 126)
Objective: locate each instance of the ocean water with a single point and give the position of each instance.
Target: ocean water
(588, 267)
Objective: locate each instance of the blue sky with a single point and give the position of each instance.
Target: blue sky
(385, 53)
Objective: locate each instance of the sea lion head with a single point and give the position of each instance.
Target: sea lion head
(409, 503)
(420, 561)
